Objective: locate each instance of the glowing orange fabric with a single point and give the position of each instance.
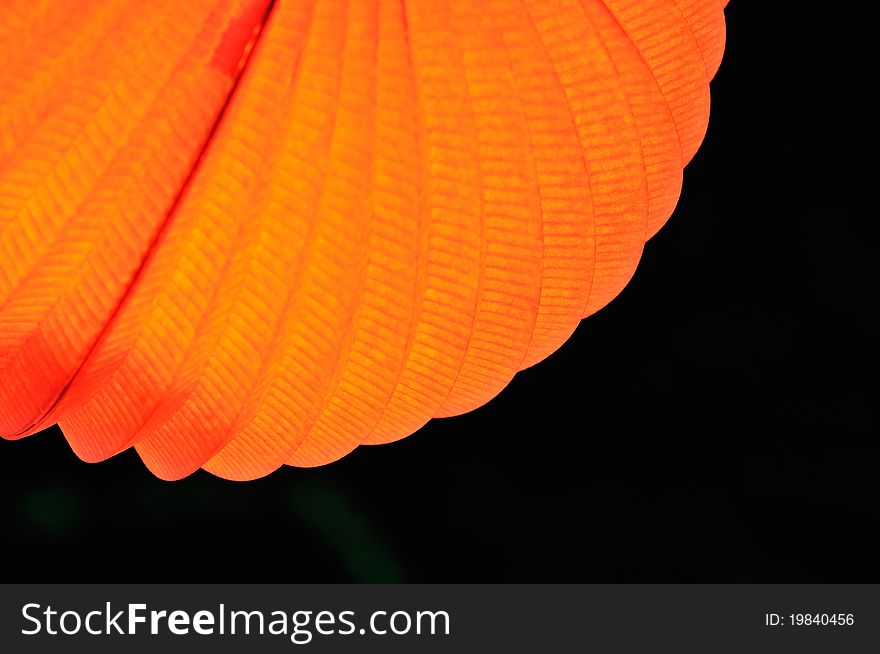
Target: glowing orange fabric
(241, 233)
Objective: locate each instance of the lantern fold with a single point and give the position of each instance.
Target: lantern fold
(237, 234)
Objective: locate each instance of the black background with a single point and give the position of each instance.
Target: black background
(716, 422)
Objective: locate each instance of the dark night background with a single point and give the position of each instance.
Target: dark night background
(716, 422)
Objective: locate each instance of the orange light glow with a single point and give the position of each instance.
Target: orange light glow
(236, 234)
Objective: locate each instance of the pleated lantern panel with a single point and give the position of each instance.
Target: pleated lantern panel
(237, 234)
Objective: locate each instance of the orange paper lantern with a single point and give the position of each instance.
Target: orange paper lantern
(242, 233)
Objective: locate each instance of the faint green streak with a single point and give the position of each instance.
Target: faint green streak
(54, 511)
(328, 511)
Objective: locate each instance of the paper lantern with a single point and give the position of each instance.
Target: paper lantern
(240, 233)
